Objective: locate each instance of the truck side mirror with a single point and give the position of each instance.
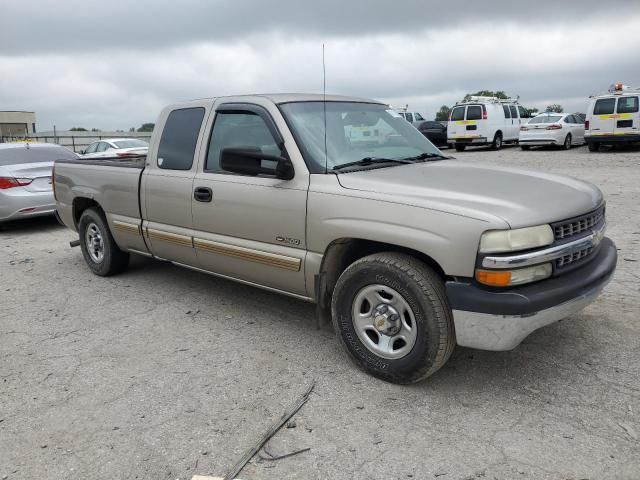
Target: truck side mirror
(249, 161)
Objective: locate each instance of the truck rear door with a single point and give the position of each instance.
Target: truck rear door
(603, 119)
(456, 126)
(627, 119)
(252, 228)
(167, 184)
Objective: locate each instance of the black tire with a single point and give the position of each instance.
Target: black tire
(525, 147)
(459, 147)
(594, 147)
(423, 290)
(113, 259)
(567, 142)
(496, 144)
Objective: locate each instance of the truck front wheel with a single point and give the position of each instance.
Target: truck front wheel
(391, 314)
(460, 147)
(100, 251)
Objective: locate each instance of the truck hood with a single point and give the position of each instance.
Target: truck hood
(518, 197)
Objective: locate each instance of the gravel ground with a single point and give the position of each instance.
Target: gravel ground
(166, 373)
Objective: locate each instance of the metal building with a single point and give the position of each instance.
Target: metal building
(17, 124)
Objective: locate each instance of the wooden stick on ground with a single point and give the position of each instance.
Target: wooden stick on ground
(293, 409)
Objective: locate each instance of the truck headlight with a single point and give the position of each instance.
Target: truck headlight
(508, 278)
(500, 241)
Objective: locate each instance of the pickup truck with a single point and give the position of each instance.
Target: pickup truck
(409, 252)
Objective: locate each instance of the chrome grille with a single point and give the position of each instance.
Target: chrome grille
(578, 225)
(574, 257)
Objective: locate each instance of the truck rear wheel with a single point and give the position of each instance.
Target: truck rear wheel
(391, 314)
(460, 147)
(99, 250)
(594, 146)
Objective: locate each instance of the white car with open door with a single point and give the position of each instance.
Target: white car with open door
(485, 121)
(551, 128)
(613, 118)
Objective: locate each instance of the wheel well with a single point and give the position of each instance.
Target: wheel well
(343, 252)
(80, 204)
(498, 132)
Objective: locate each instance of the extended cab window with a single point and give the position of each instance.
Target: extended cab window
(457, 113)
(627, 105)
(604, 106)
(179, 136)
(241, 129)
(474, 112)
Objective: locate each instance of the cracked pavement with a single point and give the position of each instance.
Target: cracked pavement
(165, 373)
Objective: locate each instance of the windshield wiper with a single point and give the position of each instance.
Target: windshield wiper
(427, 156)
(366, 161)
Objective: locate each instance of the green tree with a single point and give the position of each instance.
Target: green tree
(95, 129)
(486, 93)
(78, 129)
(442, 115)
(555, 108)
(147, 127)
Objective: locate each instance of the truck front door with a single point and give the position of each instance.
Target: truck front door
(253, 226)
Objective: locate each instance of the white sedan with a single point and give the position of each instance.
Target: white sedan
(116, 147)
(551, 128)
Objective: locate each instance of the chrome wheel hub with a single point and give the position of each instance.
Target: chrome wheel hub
(384, 321)
(94, 243)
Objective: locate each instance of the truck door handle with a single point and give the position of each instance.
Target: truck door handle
(203, 194)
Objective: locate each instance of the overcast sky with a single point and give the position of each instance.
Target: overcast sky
(115, 64)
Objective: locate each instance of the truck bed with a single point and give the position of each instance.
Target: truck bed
(127, 162)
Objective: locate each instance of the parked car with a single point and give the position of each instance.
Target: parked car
(550, 128)
(25, 178)
(485, 121)
(116, 147)
(436, 132)
(407, 251)
(613, 118)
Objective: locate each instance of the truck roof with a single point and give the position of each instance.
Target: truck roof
(300, 97)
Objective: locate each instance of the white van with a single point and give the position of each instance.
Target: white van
(613, 118)
(485, 121)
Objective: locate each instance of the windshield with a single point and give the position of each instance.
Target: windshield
(130, 143)
(354, 131)
(546, 119)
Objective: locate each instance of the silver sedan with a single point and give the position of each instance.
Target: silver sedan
(25, 178)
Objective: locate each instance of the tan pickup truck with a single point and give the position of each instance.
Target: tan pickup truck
(408, 251)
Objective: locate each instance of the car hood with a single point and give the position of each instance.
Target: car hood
(518, 197)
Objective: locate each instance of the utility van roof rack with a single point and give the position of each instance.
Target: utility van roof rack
(477, 99)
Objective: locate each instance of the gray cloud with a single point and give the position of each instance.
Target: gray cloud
(117, 65)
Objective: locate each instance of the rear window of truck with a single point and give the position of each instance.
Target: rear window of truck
(627, 105)
(457, 113)
(179, 137)
(604, 106)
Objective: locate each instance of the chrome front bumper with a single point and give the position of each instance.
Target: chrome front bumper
(485, 331)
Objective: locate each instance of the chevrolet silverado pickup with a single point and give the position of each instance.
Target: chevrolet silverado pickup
(409, 252)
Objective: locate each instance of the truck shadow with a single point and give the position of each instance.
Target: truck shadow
(545, 355)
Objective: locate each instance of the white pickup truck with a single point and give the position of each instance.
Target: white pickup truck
(408, 251)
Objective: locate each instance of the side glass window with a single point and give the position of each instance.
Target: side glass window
(568, 119)
(523, 112)
(627, 105)
(507, 112)
(241, 129)
(91, 148)
(604, 106)
(474, 112)
(514, 111)
(419, 117)
(102, 146)
(457, 114)
(179, 136)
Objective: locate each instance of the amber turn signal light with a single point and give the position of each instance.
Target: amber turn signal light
(493, 278)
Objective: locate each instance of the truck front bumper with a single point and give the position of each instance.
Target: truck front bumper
(500, 320)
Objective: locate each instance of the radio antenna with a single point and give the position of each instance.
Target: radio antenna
(324, 107)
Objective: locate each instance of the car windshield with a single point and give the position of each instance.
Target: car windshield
(34, 154)
(354, 131)
(130, 143)
(546, 119)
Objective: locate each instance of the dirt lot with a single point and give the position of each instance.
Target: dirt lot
(165, 373)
